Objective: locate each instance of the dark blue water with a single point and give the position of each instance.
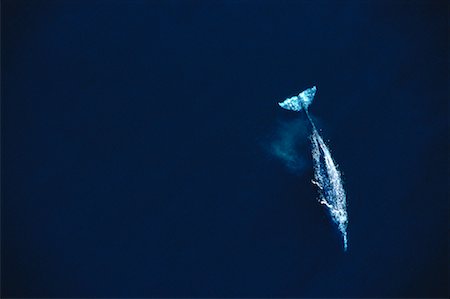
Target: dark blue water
(134, 137)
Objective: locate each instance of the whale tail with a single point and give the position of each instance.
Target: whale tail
(302, 101)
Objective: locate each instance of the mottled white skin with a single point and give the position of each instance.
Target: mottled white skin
(328, 179)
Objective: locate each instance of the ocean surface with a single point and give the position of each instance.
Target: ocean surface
(138, 148)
